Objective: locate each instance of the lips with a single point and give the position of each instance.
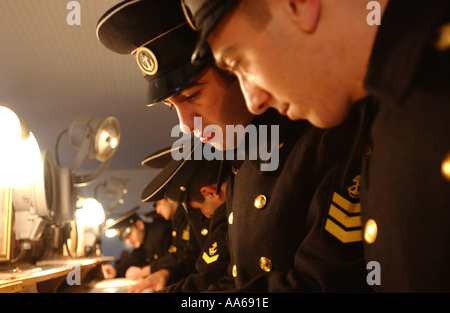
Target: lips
(206, 137)
(284, 110)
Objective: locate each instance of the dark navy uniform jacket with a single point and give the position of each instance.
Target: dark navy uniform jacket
(405, 198)
(179, 238)
(297, 229)
(184, 263)
(213, 260)
(156, 245)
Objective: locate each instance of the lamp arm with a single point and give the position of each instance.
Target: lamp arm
(84, 180)
(81, 154)
(57, 146)
(112, 206)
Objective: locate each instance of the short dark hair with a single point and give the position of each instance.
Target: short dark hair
(207, 176)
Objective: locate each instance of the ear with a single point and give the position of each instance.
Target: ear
(305, 13)
(140, 224)
(208, 192)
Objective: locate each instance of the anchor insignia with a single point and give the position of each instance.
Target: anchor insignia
(354, 190)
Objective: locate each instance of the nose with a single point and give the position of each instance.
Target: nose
(186, 119)
(257, 99)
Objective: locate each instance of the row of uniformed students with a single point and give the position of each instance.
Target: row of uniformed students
(282, 234)
(376, 168)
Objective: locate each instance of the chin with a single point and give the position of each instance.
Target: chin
(217, 144)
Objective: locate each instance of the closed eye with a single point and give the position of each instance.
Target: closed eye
(193, 96)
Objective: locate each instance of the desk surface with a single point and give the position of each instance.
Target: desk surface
(14, 281)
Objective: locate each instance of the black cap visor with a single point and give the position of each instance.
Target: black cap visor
(164, 86)
(206, 27)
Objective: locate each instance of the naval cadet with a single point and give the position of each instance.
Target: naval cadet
(293, 229)
(150, 241)
(189, 231)
(185, 182)
(399, 67)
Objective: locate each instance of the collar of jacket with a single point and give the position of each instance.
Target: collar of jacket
(219, 216)
(408, 29)
(270, 118)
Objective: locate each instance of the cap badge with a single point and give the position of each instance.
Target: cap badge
(146, 61)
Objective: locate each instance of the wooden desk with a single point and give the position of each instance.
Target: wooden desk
(47, 276)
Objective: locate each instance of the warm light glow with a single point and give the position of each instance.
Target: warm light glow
(113, 143)
(21, 163)
(446, 167)
(91, 213)
(110, 233)
(108, 140)
(10, 131)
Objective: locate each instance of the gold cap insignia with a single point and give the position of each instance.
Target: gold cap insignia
(146, 61)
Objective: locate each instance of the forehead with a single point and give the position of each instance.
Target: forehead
(223, 40)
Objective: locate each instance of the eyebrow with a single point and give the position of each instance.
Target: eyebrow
(186, 87)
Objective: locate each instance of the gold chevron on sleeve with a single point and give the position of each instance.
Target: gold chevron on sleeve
(344, 220)
(341, 234)
(209, 259)
(346, 205)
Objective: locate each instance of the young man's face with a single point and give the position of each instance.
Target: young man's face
(281, 66)
(136, 235)
(166, 208)
(216, 101)
(211, 202)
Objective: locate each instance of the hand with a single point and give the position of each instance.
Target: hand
(133, 272)
(155, 281)
(109, 271)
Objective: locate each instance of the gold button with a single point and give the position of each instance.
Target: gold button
(204, 232)
(445, 169)
(370, 231)
(174, 234)
(265, 264)
(234, 170)
(260, 202)
(182, 188)
(443, 42)
(155, 256)
(230, 218)
(234, 271)
(281, 144)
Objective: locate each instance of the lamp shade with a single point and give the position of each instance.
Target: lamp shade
(10, 131)
(91, 213)
(101, 135)
(20, 157)
(35, 204)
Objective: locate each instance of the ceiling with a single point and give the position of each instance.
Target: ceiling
(51, 73)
